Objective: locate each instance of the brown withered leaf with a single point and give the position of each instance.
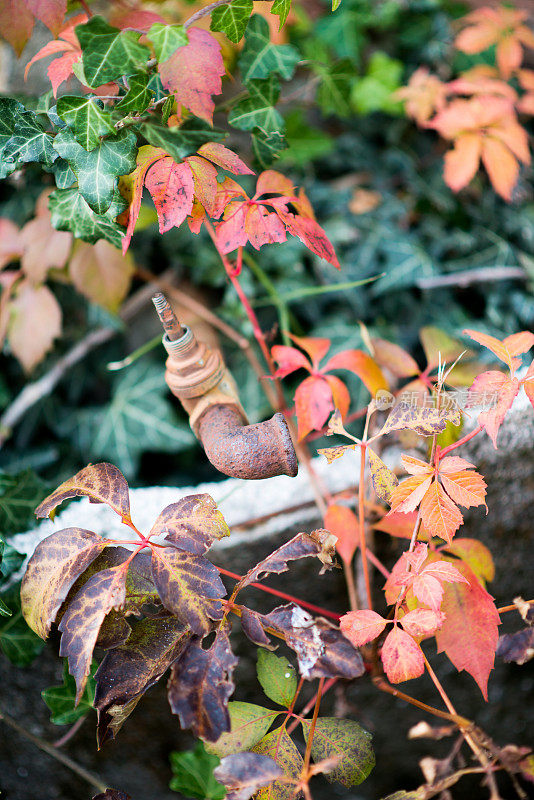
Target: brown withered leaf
(331, 453)
(279, 746)
(518, 647)
(188, 585)
(200, 686)
(321, 648)
(253, 629)
(113, 631)
(424, 420)
(102, 483)
(81, 621)
(300, 546)
(53, 568)
(112, 794)
(126, 672)
(192, 524)
(244, 773)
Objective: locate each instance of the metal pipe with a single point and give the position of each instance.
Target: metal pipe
(198, 377)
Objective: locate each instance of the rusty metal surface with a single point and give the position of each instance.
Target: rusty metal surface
(168, 318)
(251, 452)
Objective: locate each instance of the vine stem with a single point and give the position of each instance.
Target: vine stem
(461, 441)
(351, 586)
(361, 528)
(92, 780)
(384, 686)
(307, 754)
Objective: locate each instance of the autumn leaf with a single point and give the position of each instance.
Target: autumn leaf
(81, 621)
(476, 555)
(224, 158)
(423, 95)
(469, 633)
(101, 273)
(172, 188)
(333, 453)
(188, 585)
(191, 524)
(303, 545)
(44, 248)
(34, 322)
(422, 621)
(52, 570)
(251, 625)
(249, 723)
(393, 358)
(11, 245)
(494, 386)
(424, 420)
(343, 523)
(127, 671)
(347, 742)
(279, 746)
(193, 73)
(383, 479)
(503, 27)
(102, 483)
(402, 657)
(441, 516)
(61, 68)
(361, 627)
(200, 686)
(244, 773)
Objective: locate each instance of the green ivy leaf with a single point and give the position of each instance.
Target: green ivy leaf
(138, 418)
(277, 676)
(71, 213)
(20, 495)
(232, 19)
(11, 560)
(29, 141)
(267, 146)
(193, 774)
(109, 53)
(86, 118)
(139, 95)
(281, 8)
(99, 169)
(260, 58)
(257, 110)
(249, 724)
(373, 92)
(333, 94)
(19, 643)
(166, 39)
(63, 175)
(180, 142)
(60, 699)
(348, 741)
(304, 143)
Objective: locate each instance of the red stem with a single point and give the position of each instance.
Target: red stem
(460, 442)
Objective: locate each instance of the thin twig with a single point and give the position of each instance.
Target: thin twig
(468, 277)
(70, 733)
(87, 776)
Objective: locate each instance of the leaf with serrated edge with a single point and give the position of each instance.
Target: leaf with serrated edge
(402, 657)
(81, 621)
(260, 57)
(191, 524)
(172, 188)
(346, 740)
(224, 158)
(232, 19)
(277, 677)
(423, 420)
(249, 724)
(280, 747)
(127, 671)
(300, 546)
(360, 627)
(476, 555)
(440, 515)
(188, 585)
(244, 773)
(86, 118)
(53, 568)
(103, 483)
(200, 686)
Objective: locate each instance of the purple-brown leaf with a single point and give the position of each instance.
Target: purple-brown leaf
(191, 524)
(518, 647)
(321, 648)
(244, 773)
(319, 544)
(188, 586)
(253, 629)
(53, 568)
(200, 686)
(102, 483)
(81, 621)
(128, 671)
(112, 794)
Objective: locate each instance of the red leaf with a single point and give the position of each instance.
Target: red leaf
(428, 590)
(402, 657)
(311, 235)
(360, 627)
(469, 634)
(51, 12)
(343, 523)
(340, 394)
(16, 24)
(453, 464)
(493, 419)
(146, 157)
(135, 18)
(263, 227)
(205, 182)
(231, 232)
(288, 359)
(422, 621)
(313, 404)
(11, 245)
(272, 182)
(362, 365)
(398, 524)
(61, 68)
(315, 348)
(224, 158)
(519, 343)
(193, 73)
(172, 188)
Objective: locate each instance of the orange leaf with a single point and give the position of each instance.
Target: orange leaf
(340, 394)
(402, 657)
(519, 343)
(501, 166)
(493, 344)
(362, 365)
(272, 182)
(493, 419)
(34, 324)
(205, 181)
(343, 523)
(461, 163)
(422, 621)
(466, 488)
(11, 245)
(469, 633)
(441, 517)
(44, 248)
(263, 227)
(288, 359)
(16, 24)
(315, 348)
(313, 404)
(453, 464)
(408, 494)
(415, 466)
(400, 525)
(224, 158)
(394, 358)
(509, 55)
(360, 627)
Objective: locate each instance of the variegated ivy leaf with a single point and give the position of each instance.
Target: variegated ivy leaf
(267, 146)
(166, 39)
(28, 140)
(109, 53)
(98, 171)
(281, 8)
(260, 57)
(87, 119)
(139, 95)
(257, 110)
(71, 213)
(232, 19)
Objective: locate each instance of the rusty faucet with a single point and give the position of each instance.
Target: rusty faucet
(198, 377)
